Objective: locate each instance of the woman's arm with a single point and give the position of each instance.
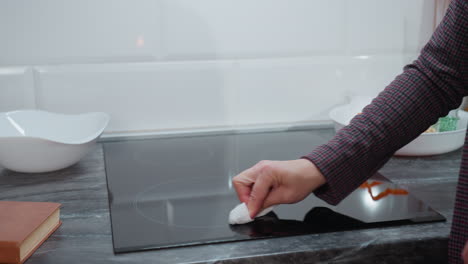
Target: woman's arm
(427, 89)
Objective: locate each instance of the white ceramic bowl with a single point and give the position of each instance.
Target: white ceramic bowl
(35, 141)
(424, 145)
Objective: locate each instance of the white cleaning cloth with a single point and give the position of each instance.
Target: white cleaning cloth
(240, 214)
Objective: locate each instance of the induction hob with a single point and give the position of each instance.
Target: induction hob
(172, 192)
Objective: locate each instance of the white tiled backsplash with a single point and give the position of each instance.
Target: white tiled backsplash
(181, 64)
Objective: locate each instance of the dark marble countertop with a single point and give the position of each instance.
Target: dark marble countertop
(85, 236)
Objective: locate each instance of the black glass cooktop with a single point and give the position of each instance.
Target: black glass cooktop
(173, 192)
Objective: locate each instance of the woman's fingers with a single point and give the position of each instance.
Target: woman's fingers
(243, 184)
(261, 188)
(276, 182)
(242, 190)
(252, 186)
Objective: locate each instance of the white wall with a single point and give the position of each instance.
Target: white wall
(171, 64)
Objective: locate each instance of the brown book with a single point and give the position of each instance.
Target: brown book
(24, 226)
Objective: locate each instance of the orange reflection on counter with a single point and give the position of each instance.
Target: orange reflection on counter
(383, 194)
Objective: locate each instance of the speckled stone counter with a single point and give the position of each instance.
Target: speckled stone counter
(85, 236)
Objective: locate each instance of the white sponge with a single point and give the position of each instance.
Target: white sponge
(240, 214)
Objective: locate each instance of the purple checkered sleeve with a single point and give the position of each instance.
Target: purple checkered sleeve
(427, 89)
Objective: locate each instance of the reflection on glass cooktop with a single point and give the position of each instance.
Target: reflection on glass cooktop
(173, 192)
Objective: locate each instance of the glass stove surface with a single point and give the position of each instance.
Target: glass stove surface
(172, 192)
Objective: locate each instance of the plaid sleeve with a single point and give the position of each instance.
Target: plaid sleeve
(427, 89)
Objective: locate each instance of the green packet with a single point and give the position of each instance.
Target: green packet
(447, 123)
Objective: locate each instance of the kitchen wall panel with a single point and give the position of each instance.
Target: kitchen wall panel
(383, 27)
(141, 96)
(180, 95)
(106, 31)
(284, 90)
(16, 89)
(213, 29)
(368, 75)
(168, 64)
(70, 31)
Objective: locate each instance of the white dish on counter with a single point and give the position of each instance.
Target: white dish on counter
(34, 141)
(425, 144)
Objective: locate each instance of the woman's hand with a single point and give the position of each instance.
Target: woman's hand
(276, 182)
